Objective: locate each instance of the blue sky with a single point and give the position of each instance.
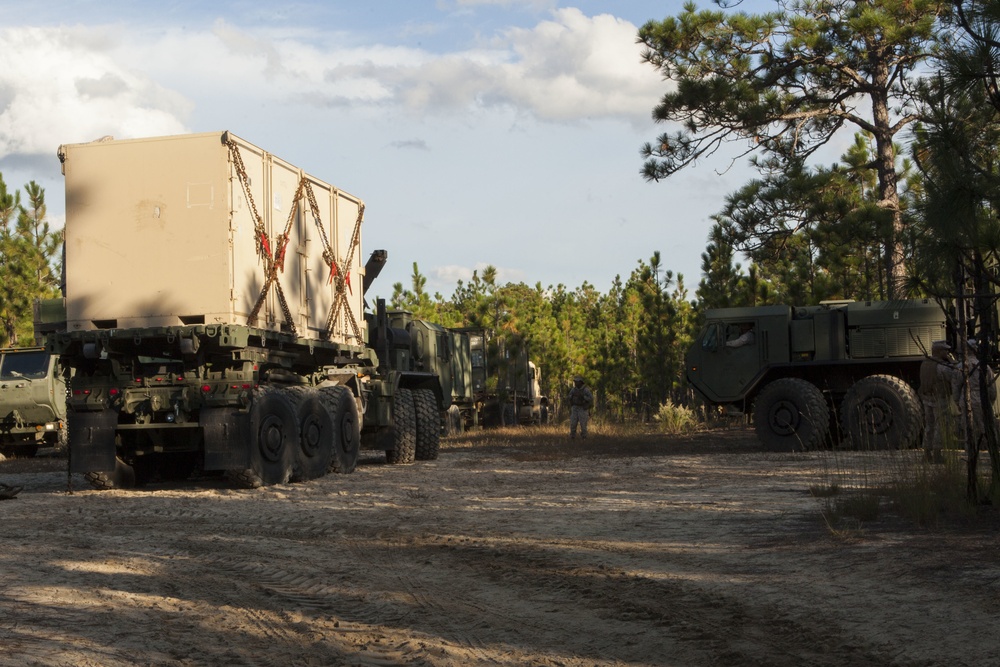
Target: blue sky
(503, 132)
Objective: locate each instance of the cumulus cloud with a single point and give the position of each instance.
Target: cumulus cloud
(63, 85)
(564, 69)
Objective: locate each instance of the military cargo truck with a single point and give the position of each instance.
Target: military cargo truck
(32, 401)
(214, 318)
(505, 386)
(802, 372)
(424, 351)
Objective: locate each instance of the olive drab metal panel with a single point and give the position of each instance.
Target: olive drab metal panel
(208, 229)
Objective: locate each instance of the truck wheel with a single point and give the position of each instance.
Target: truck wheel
(347, 429)
(791, 414)
(428, 425)
(123, 477)
(882, 412)
(274, 440)
(404, 429)
(317, 432)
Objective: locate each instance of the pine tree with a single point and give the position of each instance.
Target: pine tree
(786, 82)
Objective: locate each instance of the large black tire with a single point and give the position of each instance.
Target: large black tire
(317, 433)
(274, 440)
(882, 412)
(791, 414)
(404, 429)
(347, 429)
(123, 477)
(428, 425)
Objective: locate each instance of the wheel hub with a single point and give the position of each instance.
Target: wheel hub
(784, 418)
(271, 439)
(876, 416)
(312, 436)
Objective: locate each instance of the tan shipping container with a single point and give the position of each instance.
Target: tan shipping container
(161, 232)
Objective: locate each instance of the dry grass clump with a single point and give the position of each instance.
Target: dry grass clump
(860, 487)
(674, 419)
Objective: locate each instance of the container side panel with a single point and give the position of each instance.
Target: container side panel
(147, 231)
(164, 232)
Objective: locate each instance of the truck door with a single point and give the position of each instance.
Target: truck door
(725, 359)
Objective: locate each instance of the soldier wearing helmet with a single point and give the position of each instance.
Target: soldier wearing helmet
(581, 400)
(937, 374)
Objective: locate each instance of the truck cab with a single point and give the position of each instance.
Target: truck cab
(32, 401)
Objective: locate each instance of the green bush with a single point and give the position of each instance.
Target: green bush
(674, 419)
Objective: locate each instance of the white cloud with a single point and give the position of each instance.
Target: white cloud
(59, 85)
(577, 65)
(63, 85)
(565, 69)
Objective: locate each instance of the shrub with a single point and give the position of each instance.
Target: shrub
(675, 419)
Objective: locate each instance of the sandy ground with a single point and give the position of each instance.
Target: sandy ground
(508, 550)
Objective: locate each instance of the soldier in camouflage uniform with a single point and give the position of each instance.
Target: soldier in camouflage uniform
(581, 400)
(936, 377)
(969, 372)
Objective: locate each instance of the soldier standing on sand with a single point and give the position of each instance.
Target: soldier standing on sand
(969, 372)
(581, 400)
(936, 376)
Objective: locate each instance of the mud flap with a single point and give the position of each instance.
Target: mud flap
(227, 438)
(92, 441)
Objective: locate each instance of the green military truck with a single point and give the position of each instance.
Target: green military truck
(502, 385)
(841, 369)
(425, 352)
(32, 401)
(214, 319)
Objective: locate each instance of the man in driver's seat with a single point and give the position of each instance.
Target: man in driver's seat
(745, 337)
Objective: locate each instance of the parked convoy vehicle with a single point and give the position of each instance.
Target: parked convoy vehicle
(32, 401)
(805, 371)
(505, 387)
(422, 350)
(215, 320)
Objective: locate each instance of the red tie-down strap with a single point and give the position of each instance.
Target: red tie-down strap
(333, 274)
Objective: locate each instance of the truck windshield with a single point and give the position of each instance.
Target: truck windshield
(31, 365)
